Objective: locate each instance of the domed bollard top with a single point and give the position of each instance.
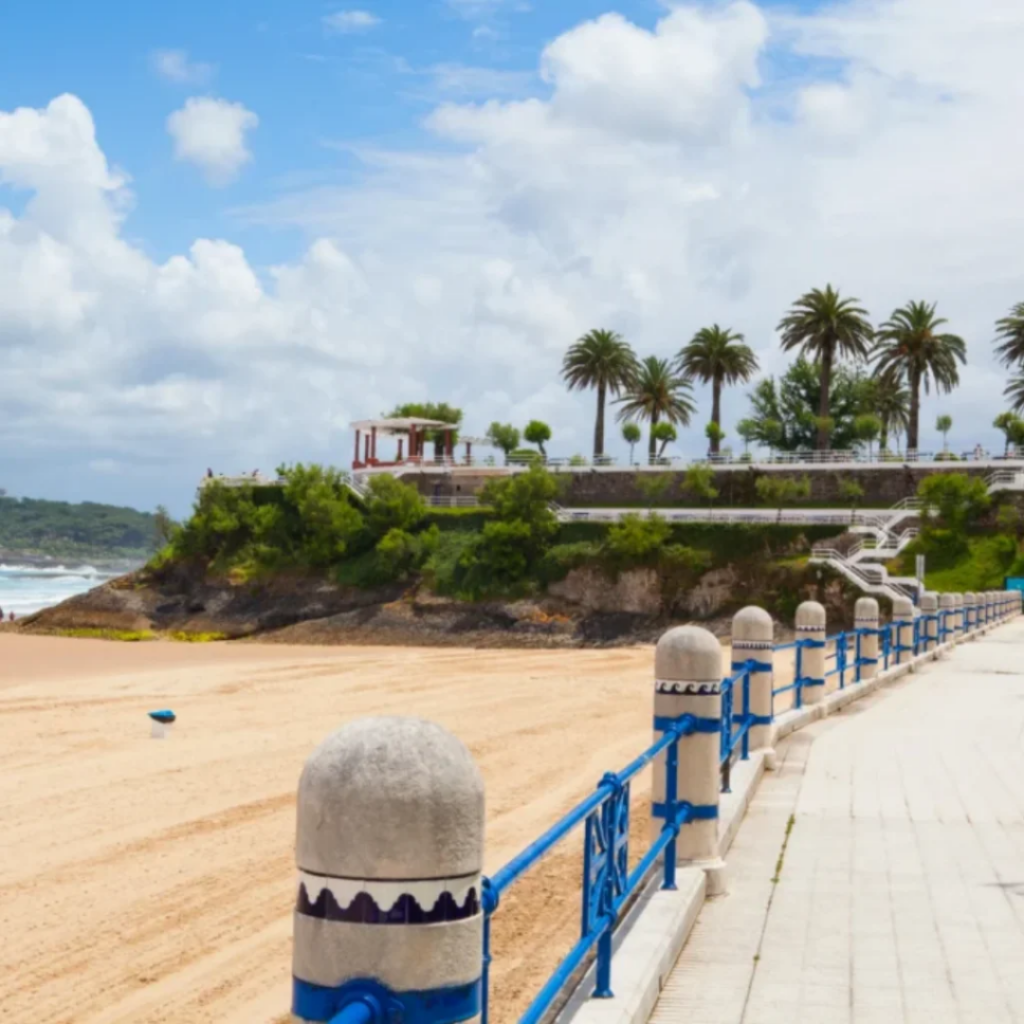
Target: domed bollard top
(930, 627)
(810, 625)
(903, 616)
(389, 849)
(688, 681)
(753, 640)
(866, 617)
(970, 611)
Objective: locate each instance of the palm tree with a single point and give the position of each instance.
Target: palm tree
(717, 356)
(602, 360)
(824, 326)
(911, 347)
(1014, 391)
(1010, 337)
(659, 394)
(890, 401)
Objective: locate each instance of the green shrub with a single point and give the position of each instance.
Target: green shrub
(952, 501)
(635, 541)
(392, 505)
(560, 559)
(441, 570)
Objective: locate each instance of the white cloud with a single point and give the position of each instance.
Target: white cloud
(345, 22)
(175, 66)
(211, 133)
(690, 194)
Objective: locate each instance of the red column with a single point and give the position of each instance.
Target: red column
(400, 441)
(356, 459)
(448, 443)
(412, 442)
(366, 447)
(373, 443)
(469, 453)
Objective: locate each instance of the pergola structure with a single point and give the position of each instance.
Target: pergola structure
(411, 429)
(411, 432)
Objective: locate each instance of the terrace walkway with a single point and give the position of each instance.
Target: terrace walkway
(900, 894)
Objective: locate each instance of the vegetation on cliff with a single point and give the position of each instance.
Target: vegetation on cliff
(513, 546)
(61, 530)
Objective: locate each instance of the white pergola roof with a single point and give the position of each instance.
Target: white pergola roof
(401, 425)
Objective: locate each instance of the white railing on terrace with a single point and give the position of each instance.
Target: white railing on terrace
(452, 501)
(785, 517)
(808, 459)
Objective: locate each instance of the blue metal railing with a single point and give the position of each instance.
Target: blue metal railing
(735, 726)
(608, 883)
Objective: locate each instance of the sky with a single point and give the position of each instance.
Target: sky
(229, 229)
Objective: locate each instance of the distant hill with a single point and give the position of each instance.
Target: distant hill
(60, 529)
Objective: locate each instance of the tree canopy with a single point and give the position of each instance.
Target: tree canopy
(784, 410)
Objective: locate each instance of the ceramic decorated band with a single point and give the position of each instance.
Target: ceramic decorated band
(365, 901)
(690, 689)
(811, 629)
(753, 645)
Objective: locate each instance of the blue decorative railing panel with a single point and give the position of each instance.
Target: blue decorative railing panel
(607, 881)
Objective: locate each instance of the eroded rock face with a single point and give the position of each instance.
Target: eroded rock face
(636, 592)
(715, 591)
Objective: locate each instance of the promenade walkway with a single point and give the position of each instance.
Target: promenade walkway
(896, 833)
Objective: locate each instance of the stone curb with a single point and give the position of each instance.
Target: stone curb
(651, 938)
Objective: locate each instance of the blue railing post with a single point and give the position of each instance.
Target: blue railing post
(866, 621)
(405, 869)
(672, 810)
(840, 656)
(799, 679)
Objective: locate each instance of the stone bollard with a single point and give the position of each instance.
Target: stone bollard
(753, 639)
(970, 612)
(958, 615)
(810, 625)
(990, 607)
(688, 681)
(903, 616)
(947, 619)
(389, 847)
(930, 608)
(865, 616)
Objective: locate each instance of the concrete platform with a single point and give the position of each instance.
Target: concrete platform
(895, 830)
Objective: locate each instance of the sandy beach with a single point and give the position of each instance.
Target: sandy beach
(151, 881)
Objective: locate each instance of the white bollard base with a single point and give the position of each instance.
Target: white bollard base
(714, 872)
(771, 760)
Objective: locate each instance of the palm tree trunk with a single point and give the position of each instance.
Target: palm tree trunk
(826, 384)
(716, 410)
(915, 409)
(883, 441)
(599, 423)
(652, 444)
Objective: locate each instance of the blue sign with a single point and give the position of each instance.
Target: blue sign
(1015, 582)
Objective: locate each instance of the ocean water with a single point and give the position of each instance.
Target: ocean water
(26, 588)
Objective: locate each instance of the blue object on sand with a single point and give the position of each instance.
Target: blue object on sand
(163, 716)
